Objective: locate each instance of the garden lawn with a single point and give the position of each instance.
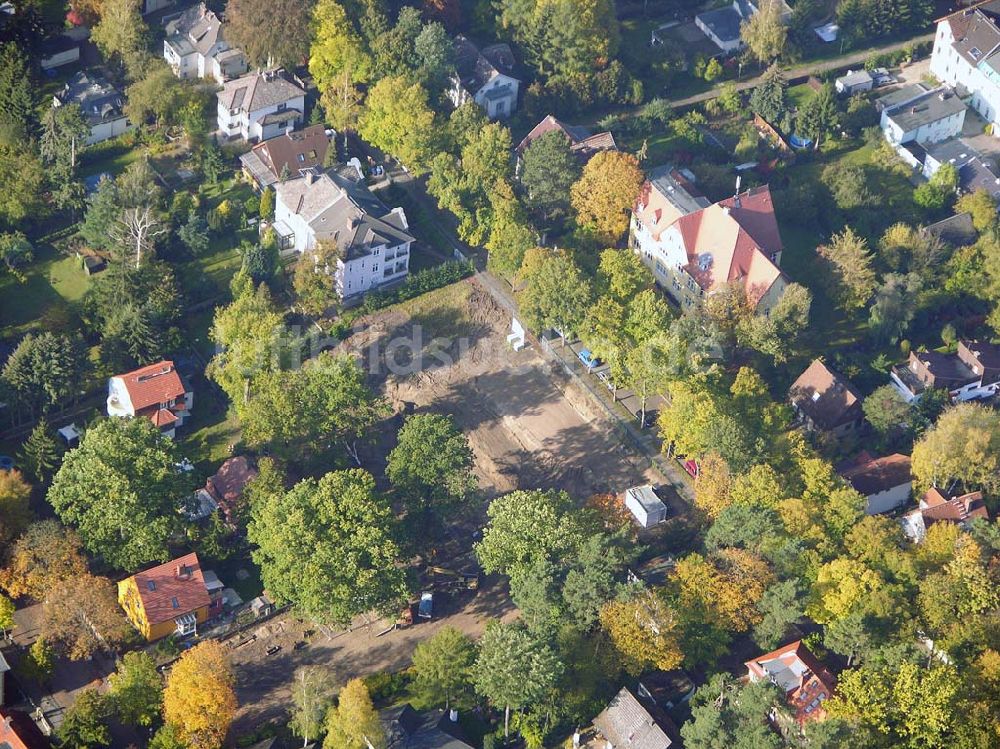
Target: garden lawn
(52, 281)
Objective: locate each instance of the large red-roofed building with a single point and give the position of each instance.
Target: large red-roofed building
(695, 247)
(806, 682)
(155, 392)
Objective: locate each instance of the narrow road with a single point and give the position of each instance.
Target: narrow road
(823, 66)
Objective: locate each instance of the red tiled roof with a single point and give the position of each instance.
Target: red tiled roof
(879, 474)
(179, 580)
(162, 417)
(806, 681)
(18, 731)
(152, 385)
(935, 506)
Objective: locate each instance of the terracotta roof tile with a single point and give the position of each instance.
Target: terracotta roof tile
(152, 385)
(179, 581)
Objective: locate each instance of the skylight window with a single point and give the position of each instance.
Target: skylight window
(976, 53)
(175, 603)
(816, 396)
(151, 584)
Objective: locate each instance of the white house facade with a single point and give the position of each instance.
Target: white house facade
(966, 55)
(195, 47)
(260, 105)
(921, 116)
(484, 77)
(695, 247)
(155, 392)
(101, 103)
(373, 242)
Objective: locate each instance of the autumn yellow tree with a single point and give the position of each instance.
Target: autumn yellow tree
(644, 632)
(199, 700)
(604, 194)
(728, 585)
(46, 554)
(841, 587)
(353, 722)
(15, 514)
(963, 446)
(712, 487)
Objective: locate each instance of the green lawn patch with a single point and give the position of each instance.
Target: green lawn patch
(52, 280)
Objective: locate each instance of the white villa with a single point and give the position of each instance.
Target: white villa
(195, 47)
(485, 77)
(260, 105)
(373, 241)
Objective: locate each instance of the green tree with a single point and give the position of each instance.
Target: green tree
(548, 170)
(15, 252)
(398, 120)
(45, 370)
(136, 690)
(765, 32)
(103, 209)
(510, 235)
(7, 609)
(847, 263)
(443, 665)
(353, 723)
(248, 331)
(194, 233)
(40, 453)
(555, 293)
(435, 52)
(64, 133)
(85, 724)
(17, 106)
(768, 99)
(121, 489)
(341, 101)
(303, 411)
(267, 204)
(912, 706)
(38, 662)
(594, 577)
(820, 114)
(605, 193)
(886, 410)
(22, 175)
(527, 525)
(327, 547)
(432, 461)
(157, 95)
(981, 205)
(780, 607)
(337, 48)
(622, 275)
(513, 670)
(725, 712)
(271, 33)
(961, 446)
(312, 693)
(313, 281)
(121, 33)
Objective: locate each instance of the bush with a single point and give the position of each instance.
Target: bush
(419, 283)
(384, 686)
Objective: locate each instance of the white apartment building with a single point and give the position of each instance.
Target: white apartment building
(260, 105)
(914, 114)
(967, 56)
(373, 241)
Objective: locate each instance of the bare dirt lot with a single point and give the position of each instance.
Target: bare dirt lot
(528, 428)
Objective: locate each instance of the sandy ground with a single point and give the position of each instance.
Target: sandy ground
(527, 427)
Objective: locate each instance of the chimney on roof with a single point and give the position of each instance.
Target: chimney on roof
(310, 176)
(182, 571)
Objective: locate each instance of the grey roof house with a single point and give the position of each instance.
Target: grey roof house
(627, 724)
(486, 77)
(373, 242)
(101, 103)
(405, 728)
(195, 47)
(260, 105)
